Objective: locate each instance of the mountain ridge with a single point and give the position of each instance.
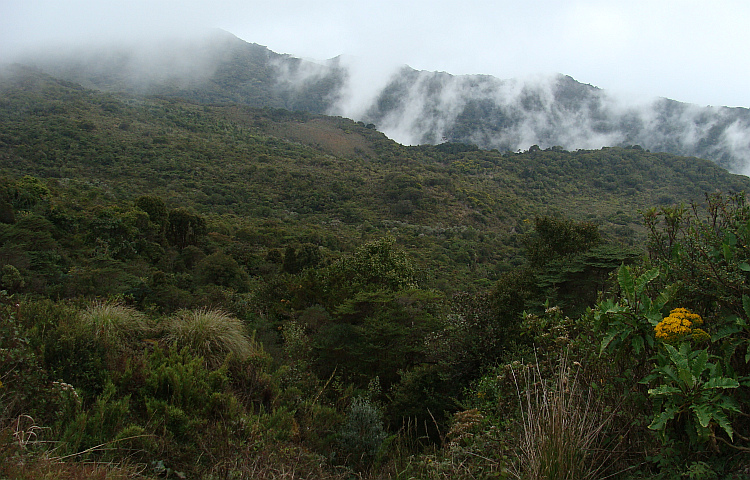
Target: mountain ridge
(412, 106)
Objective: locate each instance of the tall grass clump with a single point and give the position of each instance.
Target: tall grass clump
(562, 430)
(113, 323)
(212, 334)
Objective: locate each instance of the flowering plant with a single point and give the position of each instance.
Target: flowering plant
(680, 325)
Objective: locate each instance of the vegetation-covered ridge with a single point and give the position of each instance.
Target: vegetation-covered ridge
(414, 107)
(198, 291)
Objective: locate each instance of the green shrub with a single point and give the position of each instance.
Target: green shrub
(362, 434)
(280, 425)
(182, 380)
(318, 426)
(76, 359)
(22, 378)
(90, 430)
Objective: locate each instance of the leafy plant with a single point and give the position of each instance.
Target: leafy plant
(628, 321)
(180, 394)
(362, 433)
(91, 430)
(692, 395)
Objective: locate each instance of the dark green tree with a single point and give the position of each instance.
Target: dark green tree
(223, 270)
(559, 237)
(185, 228)
(155, 208)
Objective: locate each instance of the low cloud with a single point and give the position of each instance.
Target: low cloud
(414, 107)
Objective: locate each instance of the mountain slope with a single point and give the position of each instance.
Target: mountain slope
(247, 161)
(414, 107)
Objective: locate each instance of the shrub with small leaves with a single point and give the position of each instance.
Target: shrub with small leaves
(362, 433)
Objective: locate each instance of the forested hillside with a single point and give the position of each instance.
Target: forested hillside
(410, 106)
(195, 290)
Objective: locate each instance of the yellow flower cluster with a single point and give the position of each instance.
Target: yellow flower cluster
(678, 325)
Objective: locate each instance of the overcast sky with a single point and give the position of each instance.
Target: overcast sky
(690, 50)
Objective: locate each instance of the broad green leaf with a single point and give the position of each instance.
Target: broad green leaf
(724, 423)
(668, 371)
(664, 297)
(678, 357)
(731, 238)
(729, 403)
(625, 279)
(725, 331)
(721, 382)
(607, 340)
(699, 363)
(637, 344)
(744, 266)
(670, 350)
(660, 421)
(663, 390)
(686, 377)
(645, 279)
(703, 413)
(646, 305)
(726, 251)
(654, 316)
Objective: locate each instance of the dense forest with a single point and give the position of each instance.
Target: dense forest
(197, 290)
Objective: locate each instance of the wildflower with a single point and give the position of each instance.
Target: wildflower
(66, 387)
(699, 335)
(678, 325)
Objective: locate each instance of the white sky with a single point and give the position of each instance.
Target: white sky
(690, 50)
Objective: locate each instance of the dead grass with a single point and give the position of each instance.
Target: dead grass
(25, 456)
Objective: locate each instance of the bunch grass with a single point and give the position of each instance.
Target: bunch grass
(113, 322)
(562, 427)
(211, 334)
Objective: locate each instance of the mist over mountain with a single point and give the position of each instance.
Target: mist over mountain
(411, 106)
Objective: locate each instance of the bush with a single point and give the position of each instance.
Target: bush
(362, 434)
(93, 429)
(181, 395)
